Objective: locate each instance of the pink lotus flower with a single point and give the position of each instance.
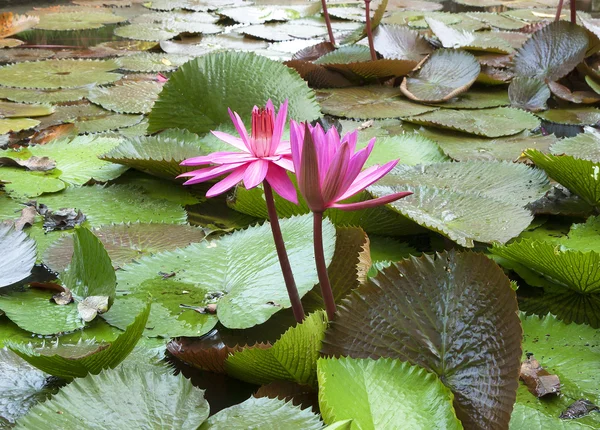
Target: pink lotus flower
(263, 156)
(329, 170)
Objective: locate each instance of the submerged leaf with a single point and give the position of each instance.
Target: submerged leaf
(382, 393)
(453, 314)
(444, 75)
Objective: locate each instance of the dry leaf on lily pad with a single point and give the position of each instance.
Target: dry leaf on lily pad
(32, 163)
(444, 75)
(453, 314)
(538, 380)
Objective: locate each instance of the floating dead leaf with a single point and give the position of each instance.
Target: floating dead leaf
(578, 409)
(53, 133)
(12, 24)
(538, 380)
(39, 164)
(63, 219)
(562, 92)
(27, 218)
(63, 298)
(92, 306)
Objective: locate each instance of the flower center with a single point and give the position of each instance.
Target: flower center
(262, 131)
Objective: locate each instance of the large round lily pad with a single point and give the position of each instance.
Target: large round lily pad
(129, 97)
(73, 19)
(51, 74)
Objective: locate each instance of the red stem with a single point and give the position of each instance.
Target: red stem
(284, 261)
(326, 291)
(573, 11)
(328, 22)
(369, 31)
(559, 10)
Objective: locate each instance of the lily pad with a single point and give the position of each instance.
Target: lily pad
(215, 82)
(193, 5)
(165, 31)
(529, 93)
(576, 115)
(17, 110)
(370, 102)
(266, 414)
(444, 75)
(585, 146)
(552, 52)
(463, 326)
(16, 124)
(382, 393)
(580, 176)
(495, 122)
(477, 41)
(41, 96)
(150, 62)
(477, 98)
(19, 256)
(72, 19)
(134, 97)
(400, 43)
(22, 184)
(52, 74)
(153, 396)
(258, 14)
(245, 295)
(22, 386)
(291, 358)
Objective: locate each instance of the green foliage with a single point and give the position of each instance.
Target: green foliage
(197, 96)
(382, 393)
(19, 256)
(123, 398)
(292, 358)
(76, 361)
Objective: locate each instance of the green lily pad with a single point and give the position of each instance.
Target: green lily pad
(166, 30)
(40, 96)
(22, 184)
(580, 176)
(529, 93)
(494, 122)
(454, 315)
(477, 98)
(576, 115)
(477, 41)
(204, 82)
(246, 295)
(52, 74)
(291, 358)
(19, 255)
(552, 52)
(150, 62)
(410, 148)
(16, 124)
(258, 14)
(33, 310)
(572, 353)
(79, 360)
(416, 18)
(77, 19)
(105, 122)
(18, 110)
(135, 397)
(369, 102)
(497, 20)
(463, 147)
(266, 414)
(22, 386)
(585, 146)
(134, 97)
(355, 389)
(160, 154)
(444, 75)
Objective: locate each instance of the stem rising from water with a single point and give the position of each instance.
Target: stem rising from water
(322, 265)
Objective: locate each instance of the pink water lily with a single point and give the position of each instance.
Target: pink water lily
(262, 155)
(329, 170)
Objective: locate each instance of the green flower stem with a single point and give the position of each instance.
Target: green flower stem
(326, 291)
(369, 30)
(284, 261)
(328, 21)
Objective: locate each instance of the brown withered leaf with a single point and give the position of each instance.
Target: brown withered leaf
(52, 133)
(578, 409)
(562, 92)
(318, 76)
(12, 24)
(62, 219)
(313, 52)
(40, 164)
(539, 381)
(27, 218)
